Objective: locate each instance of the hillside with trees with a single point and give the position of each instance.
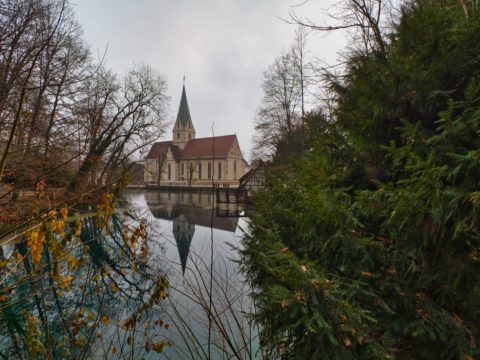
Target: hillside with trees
(64, 117)
(365, 241)
(70, 129)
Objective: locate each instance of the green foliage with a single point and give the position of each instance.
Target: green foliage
(370, 248)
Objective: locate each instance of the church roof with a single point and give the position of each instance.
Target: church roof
(183, 112)
(207, 148)
(160, 149)
(202, 148)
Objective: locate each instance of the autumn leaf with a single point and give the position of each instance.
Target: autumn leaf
(347, 342)
(159, 346)
(129, 324)
(148, 346)
(35, 243)
(72, 261)
(65, 282)
(105, 320)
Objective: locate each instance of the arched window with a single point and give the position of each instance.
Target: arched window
(209, 170)
(234, 169)
(183, 172)
(219, 170)
(190, 171)
(199, 169)
(178, 135)
(169, 172)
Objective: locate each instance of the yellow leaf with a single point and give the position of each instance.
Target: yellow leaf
(35, 243)
(105, 320)
(159, 346)
(72, 261)
(129, 324)
(64, 212)
(65, 282)
(53, 225)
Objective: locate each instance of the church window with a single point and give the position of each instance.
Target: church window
(182, 170)
(219, 170)
(199, 169)
(190, 175)
(178, 135)
(234, 168)
(169, 172)
(209, 170)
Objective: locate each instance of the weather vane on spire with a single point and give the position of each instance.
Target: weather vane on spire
(183, 79)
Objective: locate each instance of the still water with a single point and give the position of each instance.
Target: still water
(194, 242)
(153, 277)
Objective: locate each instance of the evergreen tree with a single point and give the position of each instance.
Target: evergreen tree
(370, 246)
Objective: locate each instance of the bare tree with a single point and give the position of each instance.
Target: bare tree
(286, 88)
(120, 118)
(364, 17)
(29, 31)
(278, 111)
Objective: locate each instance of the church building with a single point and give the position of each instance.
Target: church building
(190, 161)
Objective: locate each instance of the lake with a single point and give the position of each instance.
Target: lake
(194, 240)
(152, 276)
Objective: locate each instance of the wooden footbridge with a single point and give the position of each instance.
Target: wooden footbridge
(250, 182)
(231, 195)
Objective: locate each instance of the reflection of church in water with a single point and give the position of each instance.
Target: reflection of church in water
(185, 210)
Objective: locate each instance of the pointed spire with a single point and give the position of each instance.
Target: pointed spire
(183, 112)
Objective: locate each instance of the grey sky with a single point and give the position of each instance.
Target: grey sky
(222, 46)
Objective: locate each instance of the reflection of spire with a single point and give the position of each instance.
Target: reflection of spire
(183, 232)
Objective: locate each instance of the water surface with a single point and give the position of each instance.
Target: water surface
(195, 240)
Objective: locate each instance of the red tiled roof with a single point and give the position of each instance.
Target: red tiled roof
(196, 148)
(203, 148)
(160, 149)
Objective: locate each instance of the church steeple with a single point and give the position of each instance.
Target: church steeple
(183, 116)
(183, 131)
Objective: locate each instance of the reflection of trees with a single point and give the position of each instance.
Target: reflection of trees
(89, 300)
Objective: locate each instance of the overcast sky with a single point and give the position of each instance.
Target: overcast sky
(222, 46)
